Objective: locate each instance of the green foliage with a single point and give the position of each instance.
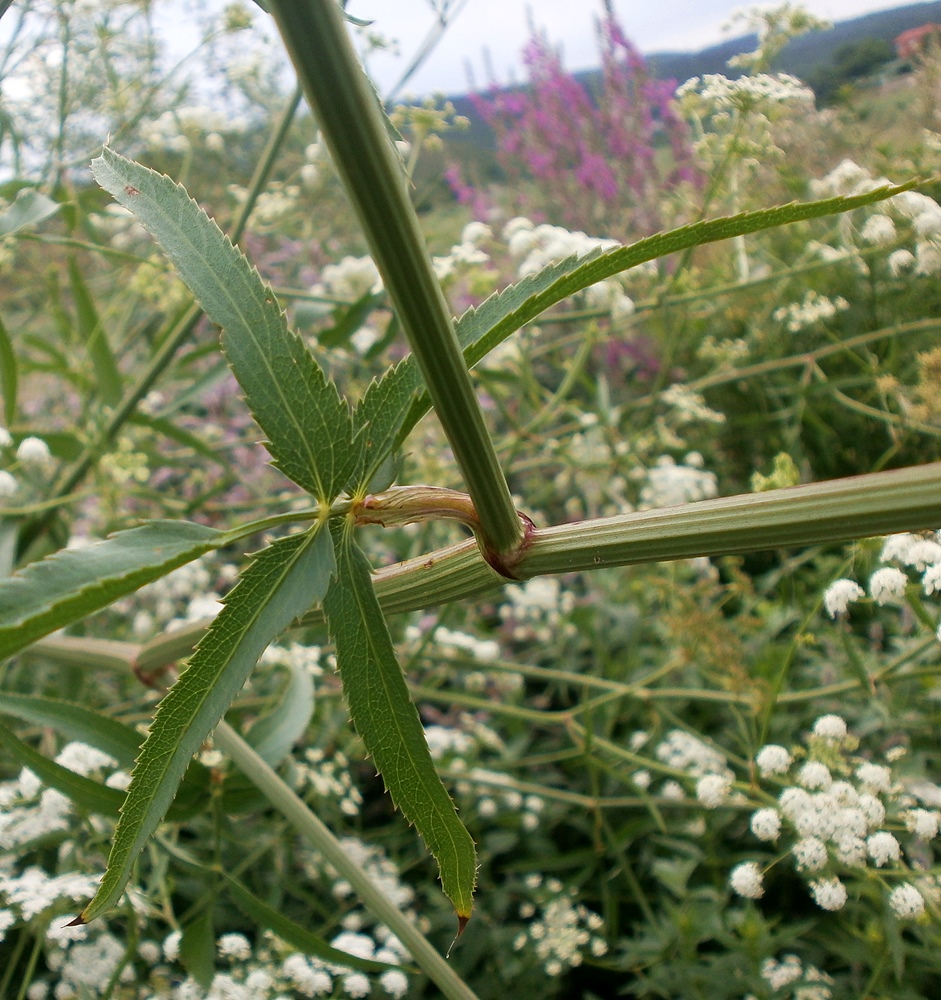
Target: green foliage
(582, 747)
(308, 425)
(280, 584)
(389, 724)
(72, 584)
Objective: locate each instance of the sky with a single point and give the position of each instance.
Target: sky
(500, 26)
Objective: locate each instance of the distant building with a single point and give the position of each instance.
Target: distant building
(916, 41)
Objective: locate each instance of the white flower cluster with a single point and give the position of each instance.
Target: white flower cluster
(266, 973)
(564, 930)
(294, 656)
(33, 457)
(373, 860)
(536, 609)
(451, 644)
(688, 406)
(496, 794)
(329, 777)
(588, 475)
(846, 179)
(466, 253)
(669, 484)
(28, 811)
(34, 891)
(815, 308)
(835, 824)
(312, 977)
(715, 92)
(535, 247)
(452, 641)
(808, 981)
(349, 280)
(274, 205)
(181, 129)
(183, 596)
(120, 226)
(685, 752)
(920, 553)
(919, 216)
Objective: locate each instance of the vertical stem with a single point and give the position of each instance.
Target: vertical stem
(308, 825)
(352, 122)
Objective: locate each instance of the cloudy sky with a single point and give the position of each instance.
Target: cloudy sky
(500, 26)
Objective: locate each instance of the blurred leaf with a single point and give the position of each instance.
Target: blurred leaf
(166, 427)
(28, 209)
(9, 539)
(95, 339)
(309, 428)
(8, 376)
(88, 794)
(282, 582)
(274, 734)
(348, 319)
(77, 723)
(295, 935)
(62, 444)
(110, 737)
(387, 720)
(198, 948)
(73, 583)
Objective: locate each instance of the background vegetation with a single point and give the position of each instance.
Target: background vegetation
(703, 777)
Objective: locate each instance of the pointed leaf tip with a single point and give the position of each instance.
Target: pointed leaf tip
(308, 426)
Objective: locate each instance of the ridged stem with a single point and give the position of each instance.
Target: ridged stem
(352, 123)
(834, 511)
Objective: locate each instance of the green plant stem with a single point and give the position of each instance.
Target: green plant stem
(838, 510)
(810, 358)
(312, 829)
(351, 119)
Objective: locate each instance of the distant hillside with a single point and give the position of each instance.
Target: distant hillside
(803, 57)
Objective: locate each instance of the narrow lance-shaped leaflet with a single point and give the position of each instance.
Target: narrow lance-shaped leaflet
(282, 582)
(387, 720)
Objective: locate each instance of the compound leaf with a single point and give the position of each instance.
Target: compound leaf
(86, 793)
(29, 208)
(484, 327)
(381, 414)
(274, 734)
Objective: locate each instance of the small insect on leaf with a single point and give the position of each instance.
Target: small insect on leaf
(128, 189)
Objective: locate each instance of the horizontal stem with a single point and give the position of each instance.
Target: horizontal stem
(838, 510)
(820, 513)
